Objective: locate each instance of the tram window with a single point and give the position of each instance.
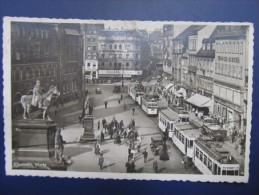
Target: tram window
(191, 144)
(209, 164)
(197, 152)
(182, 139)
(172, 126)
(236, 172)
(185, 119)
(224, 172)
(201, 155)
(230, 172)
(219, 171)
(205, 160)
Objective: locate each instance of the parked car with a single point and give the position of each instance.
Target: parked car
(98, 91)
(109, 81)
(116, 89)
(156, 144)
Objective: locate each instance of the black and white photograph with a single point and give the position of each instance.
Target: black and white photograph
(159, 100)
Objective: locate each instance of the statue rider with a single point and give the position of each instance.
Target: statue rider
(37, 95)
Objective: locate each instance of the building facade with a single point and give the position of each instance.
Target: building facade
(119, 53)
(91, 32)
(34, 55)
(168, 35)
(156, 44)
(71, 61)
(231, 69)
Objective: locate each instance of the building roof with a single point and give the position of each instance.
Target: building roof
(191, 30)
(198, 100)
(206, 53)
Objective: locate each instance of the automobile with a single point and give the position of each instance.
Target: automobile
(156, 144)
(98, 91)
(116, 89)
(109, 81)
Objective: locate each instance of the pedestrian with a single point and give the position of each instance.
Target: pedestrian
(105, 104)
(102, 136)
(121, 96)
(196, 112)
(103, 122)
(98, 125)
(145, 154)
(155, 165)
(119, 101)
(185, 161)
(133, 124)
(101, 161)
(124, 106)
(133, 111)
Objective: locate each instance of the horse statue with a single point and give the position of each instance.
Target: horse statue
(26, 101)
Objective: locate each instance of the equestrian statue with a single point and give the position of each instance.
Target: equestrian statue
(39, 99)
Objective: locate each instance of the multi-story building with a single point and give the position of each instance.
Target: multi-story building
(91, 32)
(179, 47)
(156, 44)
(119, 53)
(34, 55)
(189, 77)
(168, 35)
(231, 69)
(71, 61)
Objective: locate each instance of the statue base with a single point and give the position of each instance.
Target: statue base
(34, 145)
(88, 124)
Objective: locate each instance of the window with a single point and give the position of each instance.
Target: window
(213, 46)
(88, 65)
(120, 56)
(88, 39)
(209, 164)
(94, 39)
(102, 64)
(120, 46)
(197, 153)
(201, 156)
(89, 48)
(110, 46)
(110, 64)
(241, 48)
(103, 55)
(203, 46)
(94, 48)
(208, 46)
(127, 64)
(205, 160)
(191, 144)
(127, 56)
(115, 46)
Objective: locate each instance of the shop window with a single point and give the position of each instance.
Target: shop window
(197, 152)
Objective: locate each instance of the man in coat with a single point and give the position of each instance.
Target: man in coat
(101, 161)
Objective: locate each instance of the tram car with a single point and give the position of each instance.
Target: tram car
(135, 93)
(211, 158)
(166, 120)
(184, 136)
(149, 106)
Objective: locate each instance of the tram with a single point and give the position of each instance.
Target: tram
(184, 136)
(149, 106)
(135, 93)
(166, 120)
(210, 158)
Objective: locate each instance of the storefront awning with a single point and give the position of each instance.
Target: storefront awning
(168, 86)
(199, 101)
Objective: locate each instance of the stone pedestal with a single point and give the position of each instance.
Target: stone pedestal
(88, 125)
(35, 145)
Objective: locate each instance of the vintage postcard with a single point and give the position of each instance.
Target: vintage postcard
(152, 100)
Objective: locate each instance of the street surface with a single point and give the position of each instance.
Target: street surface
(115, 156)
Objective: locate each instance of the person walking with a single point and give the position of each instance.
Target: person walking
(133, 111)
(103, 122)
(105, 104)
(155, 165)
(145, 154)
(119, 101)
(101, 161)
(121, 96)
(98, 125)
(102, 136)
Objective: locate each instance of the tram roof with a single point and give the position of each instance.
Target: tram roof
(215, 150)
(189, 130)
(172, 116)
